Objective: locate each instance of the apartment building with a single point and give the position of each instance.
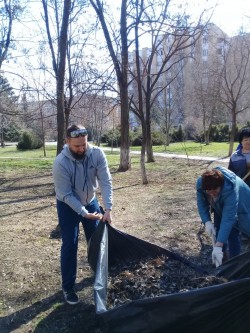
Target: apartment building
(189, 70)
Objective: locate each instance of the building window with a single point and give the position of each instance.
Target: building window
(204, 40)
(219, 51)
(205, 52)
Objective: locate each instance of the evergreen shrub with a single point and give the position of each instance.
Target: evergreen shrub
(29, 141)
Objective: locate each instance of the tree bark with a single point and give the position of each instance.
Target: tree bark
(233, 131)
(62, 50)
(121, 74)
(59, 66)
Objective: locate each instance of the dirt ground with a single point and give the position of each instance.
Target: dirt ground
(163, 212)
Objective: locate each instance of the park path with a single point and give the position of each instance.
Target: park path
(168, 155)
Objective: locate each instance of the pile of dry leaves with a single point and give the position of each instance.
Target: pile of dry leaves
(134, 280)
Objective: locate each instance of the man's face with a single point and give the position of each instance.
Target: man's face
(213, 193)
(78, 146)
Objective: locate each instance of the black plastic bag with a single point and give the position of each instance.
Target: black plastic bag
(225, 306)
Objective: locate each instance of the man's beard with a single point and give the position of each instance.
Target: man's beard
(77, 156)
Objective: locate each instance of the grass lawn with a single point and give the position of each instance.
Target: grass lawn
(214, 149)
(10, 157)
(163, 212)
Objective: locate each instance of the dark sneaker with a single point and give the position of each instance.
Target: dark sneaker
(70, 296)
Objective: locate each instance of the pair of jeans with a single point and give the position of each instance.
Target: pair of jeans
(233, 244)
(69, 222)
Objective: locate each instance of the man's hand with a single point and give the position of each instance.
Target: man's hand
(107, 216)
(217, 256)
(209, 228)
(93, 216)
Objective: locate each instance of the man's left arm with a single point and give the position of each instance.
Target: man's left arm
(105, 183)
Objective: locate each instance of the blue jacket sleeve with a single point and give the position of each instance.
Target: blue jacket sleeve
(229, 214)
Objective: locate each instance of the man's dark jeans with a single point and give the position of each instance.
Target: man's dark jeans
(69, 222)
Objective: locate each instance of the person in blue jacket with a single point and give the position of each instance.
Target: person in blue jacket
(239, 161)
(77, 172)
(229, 196)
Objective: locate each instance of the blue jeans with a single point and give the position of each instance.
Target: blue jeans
(234, 245)
(69, 223)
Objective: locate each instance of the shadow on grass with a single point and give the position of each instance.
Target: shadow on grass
(80, 318)
(64, 318)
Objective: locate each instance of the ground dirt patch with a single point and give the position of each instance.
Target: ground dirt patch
(163, 212)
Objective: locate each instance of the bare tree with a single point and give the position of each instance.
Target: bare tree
(59, 57)
(9, 11)
(171, 38)
(235, 79)
(81, 77)
(120, 62)
(169, 111)
(205, 95)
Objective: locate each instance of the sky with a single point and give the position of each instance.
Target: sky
(229, 15)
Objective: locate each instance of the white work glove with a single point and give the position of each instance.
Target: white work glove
(217, 256)
(209, 228)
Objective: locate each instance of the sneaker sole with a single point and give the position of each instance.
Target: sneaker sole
(69, 302)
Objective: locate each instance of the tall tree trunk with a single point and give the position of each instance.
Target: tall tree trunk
(149, 147)
(143, 151)
(140, 100)
(60, 116)
(59, 65)
(207, 134)
(62, 50)
(121, 73)
(66, 113)
(124, 149)
(233, 131)
(124, 156)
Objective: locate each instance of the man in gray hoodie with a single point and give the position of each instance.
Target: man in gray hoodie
(77, 172)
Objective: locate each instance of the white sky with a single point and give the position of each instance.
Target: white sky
(229, 15)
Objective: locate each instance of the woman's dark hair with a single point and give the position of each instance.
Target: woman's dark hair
(212, 179)
(245, 132)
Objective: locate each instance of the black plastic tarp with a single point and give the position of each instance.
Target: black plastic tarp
(225, 306)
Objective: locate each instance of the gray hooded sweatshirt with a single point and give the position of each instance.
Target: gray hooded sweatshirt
(76, 181)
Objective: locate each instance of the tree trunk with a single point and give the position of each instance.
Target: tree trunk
(60, 116)
(124, 149)
(149, 148)
(123, 84)
(142, 160)
(121, 73)
(140, 101)
(66, 113)
(207, 134)
(60, 77)
(233, 131)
